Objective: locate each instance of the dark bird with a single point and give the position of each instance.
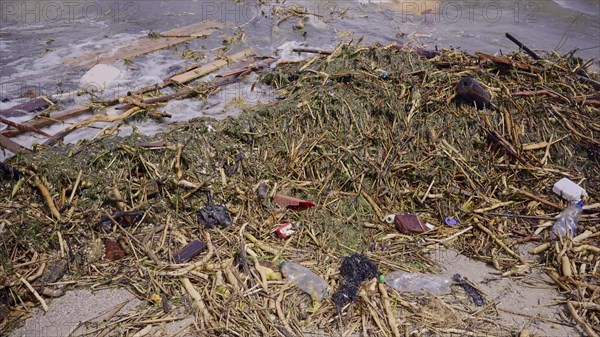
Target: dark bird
(468, 91)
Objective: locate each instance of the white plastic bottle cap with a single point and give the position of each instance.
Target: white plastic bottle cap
(568, 190)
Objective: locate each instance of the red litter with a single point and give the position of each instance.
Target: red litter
(292, 203)
(409, 223)
(285, 230)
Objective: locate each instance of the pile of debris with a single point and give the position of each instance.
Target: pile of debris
(198, 219)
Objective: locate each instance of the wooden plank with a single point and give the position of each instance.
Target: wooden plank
(147, 45)
(11, 145)
(34, 105)
(194, 30)
(96, 118)
(211, 67)
(41, 122)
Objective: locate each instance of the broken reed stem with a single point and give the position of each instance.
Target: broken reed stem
(451, 237)
(121, 206)
(373, 205)
(46, 194)
(500, 242)
(586, 305)
(178, 171)
(77, 181)
(566, 266)
(38, 272)
(143, 332)
(280, 313)
(586, 247)
(197, 301)
(460, 332)
(388, 309)
(428, 190)
(537, 198)
(588, 330)
(541, 248)
(132, 238)
(35, 293)
(261, 245)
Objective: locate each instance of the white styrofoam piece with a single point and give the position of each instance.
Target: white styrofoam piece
(568, 190)
(99, 77)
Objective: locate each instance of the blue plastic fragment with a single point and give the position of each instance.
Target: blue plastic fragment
(452, 221)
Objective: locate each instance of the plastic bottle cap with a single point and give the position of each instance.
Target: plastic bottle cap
(580, 204)
(280, 262)
(382, 278)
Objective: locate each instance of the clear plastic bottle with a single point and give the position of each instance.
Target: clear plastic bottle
(566, 223)
(418, 283)
(306, 280)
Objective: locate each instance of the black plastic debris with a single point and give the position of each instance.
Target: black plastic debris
(469, 289)
(469, 92)
(189, 251)
(354, 270)
(211, 216)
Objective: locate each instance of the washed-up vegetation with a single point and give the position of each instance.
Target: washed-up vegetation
(361, 131)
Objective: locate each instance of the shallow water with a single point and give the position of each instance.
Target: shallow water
(36, 36)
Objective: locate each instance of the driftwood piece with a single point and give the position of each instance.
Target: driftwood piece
(11, 145)
(496, 138)
(522, 46)
(41, 122)
(106, 119)
(181, 94)
(505, 63)
(147, 45)
(24, 128)
(224, 79)
(211, 67)
(123, 218)
(184, 77)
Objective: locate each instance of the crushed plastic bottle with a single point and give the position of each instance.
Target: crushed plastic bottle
(566, 223)
(418, 283)
(306, 280)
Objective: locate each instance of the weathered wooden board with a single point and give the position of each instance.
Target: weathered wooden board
(46, 121)
(211, 67)
(35, 105)
(147, 45)
(11, 145)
